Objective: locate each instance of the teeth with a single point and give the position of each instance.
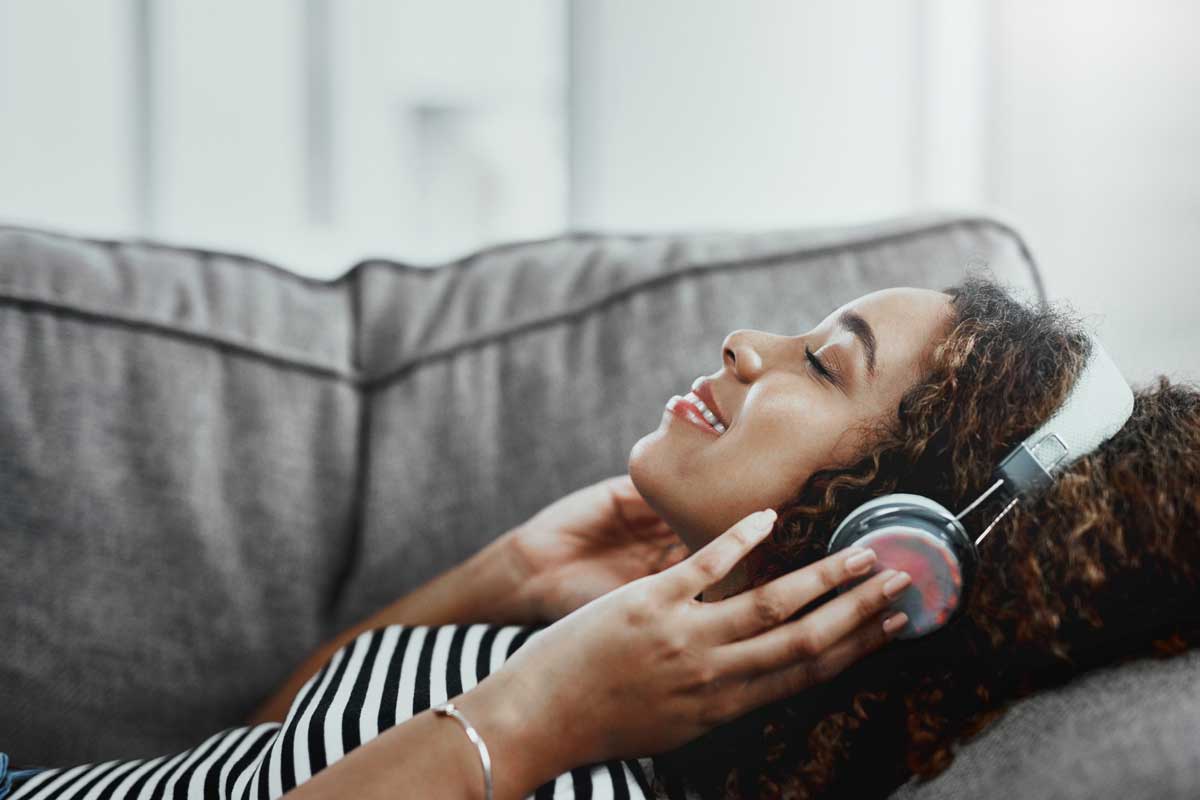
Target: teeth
(709, 416)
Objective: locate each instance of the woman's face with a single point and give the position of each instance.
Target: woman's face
(785, 419)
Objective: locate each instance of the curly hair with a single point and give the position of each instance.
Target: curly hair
(1097, 569)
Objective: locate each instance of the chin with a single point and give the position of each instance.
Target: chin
(643, 469)
(650, 470)
(663, 487)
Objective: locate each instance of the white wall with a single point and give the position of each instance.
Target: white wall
(229, 106)
(428, 129)
(1096, 154)
(66, 114)
(702, 112)
(1078, 121)
(450, 124)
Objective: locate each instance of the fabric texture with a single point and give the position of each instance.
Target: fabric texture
(379, 680)
(208, 465)
(178, 440)
(1127, 731)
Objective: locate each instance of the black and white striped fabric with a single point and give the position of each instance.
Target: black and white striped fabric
(381, 679)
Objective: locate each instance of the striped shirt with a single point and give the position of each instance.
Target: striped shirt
(381, 679)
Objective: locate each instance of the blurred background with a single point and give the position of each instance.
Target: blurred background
(315, 133)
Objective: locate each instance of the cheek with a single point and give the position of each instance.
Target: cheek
(768, 457)
(816, 434)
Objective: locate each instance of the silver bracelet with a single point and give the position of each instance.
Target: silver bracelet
(449, 710)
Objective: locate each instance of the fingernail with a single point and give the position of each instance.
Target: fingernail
(896, 584)
(763, 520)
(895, 622)
(861, 561)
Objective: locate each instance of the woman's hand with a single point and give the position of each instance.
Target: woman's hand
(647, 667)
(586, 544)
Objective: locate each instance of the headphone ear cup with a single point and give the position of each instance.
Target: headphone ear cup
(921, 537)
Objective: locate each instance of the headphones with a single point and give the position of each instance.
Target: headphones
(923, 538)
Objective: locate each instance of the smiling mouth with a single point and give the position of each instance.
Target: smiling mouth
(691, 409)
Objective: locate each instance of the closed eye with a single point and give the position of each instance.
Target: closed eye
(818, 365)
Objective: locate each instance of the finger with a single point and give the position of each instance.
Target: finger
(713, 562)
(656, 530)
(671, 555)
(776, 685)
(816, 632)
(767, 606)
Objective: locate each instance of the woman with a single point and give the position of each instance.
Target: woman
(811, 427)
(1099, 568)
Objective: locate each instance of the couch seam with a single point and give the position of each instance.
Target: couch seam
(390, 374)
(386, 376)
(200, 252)
(469, 259)
(233, 346)
(922, 228)
(356, 525)
(461, 262)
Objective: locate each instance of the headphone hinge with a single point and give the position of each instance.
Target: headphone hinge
(1026, 471)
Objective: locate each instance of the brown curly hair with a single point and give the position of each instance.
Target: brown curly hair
(1097, 569)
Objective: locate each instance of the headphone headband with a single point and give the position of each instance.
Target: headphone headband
(925, 539)
(1097, 407)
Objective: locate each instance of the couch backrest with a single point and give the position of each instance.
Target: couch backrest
(209, 464)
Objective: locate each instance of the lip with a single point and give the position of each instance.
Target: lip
(681, 408)
(704, 391)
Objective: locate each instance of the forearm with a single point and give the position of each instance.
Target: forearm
(485, 588)
(427, 751)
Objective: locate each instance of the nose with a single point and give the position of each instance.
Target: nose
(741, 356)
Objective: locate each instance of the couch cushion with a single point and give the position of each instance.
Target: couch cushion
(177, 461)
(1122, 731)
(499, 383)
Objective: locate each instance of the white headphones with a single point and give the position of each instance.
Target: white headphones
(920, 536)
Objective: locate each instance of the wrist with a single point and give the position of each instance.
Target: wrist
(510, 570)
(525, 750)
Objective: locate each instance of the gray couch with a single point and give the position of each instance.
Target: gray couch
(209, 464)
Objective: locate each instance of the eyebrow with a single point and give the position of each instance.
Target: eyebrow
(854, 322)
